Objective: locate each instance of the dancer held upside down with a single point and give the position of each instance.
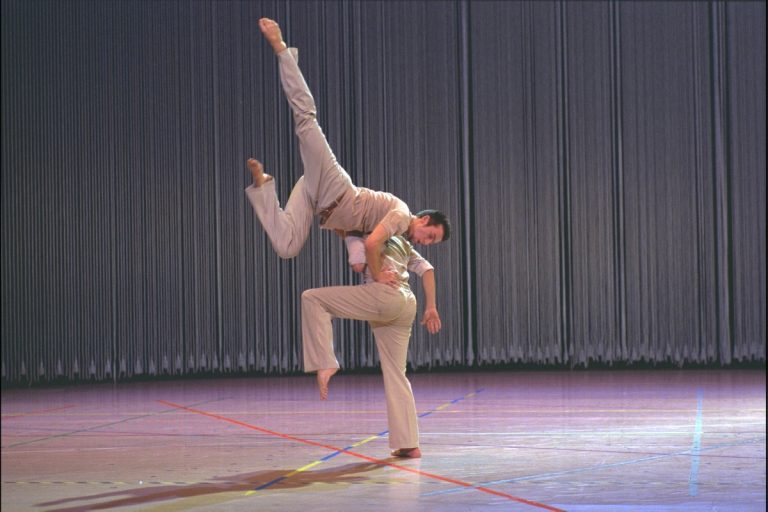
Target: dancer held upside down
(326, 189)
(390, 310)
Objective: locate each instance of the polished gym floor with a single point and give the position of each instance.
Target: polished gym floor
(634, 440)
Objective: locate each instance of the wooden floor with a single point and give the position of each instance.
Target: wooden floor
(580, 441)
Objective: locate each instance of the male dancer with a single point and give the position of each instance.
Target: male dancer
(390, 310)
(326, 189)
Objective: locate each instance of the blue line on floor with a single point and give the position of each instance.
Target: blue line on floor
(693, 480)
(271, 483)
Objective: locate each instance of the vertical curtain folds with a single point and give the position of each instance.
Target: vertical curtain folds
(603, 164)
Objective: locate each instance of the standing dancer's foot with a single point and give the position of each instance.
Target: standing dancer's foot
(409, 453)
(323, 377)
(272, 34)
(257, 171)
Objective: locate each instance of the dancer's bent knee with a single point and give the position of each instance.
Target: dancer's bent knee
(287, 250)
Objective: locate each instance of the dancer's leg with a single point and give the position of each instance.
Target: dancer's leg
(372, 302)
(392, 342)
(326, 179)
(287, 229)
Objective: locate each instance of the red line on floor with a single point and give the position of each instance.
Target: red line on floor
(43, 411)
(361, 456)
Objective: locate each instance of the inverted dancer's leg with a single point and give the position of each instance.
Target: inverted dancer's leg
(287, 229)
(326, 179)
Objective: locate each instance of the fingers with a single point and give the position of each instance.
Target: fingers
(391, 282)
(432, 323)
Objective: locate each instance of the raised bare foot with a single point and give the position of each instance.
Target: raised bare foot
(323, 377)
(272, 34)
(409, 453)
(257, 171)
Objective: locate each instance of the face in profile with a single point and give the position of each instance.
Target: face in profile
(423, 234)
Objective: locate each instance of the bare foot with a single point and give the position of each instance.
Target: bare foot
(323, 377)
(409, 453)
(272, 34)
(257, 171)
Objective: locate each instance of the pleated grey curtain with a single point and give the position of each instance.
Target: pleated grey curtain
(603, 164)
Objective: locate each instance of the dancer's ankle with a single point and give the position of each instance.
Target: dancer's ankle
(279, 47)
(323, 378)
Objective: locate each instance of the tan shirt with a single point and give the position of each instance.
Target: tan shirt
(398, 255)
(362, 209)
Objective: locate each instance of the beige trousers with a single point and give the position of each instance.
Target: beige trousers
(390, 313)
(324, 180)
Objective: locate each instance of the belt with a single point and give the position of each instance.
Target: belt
(328, 210)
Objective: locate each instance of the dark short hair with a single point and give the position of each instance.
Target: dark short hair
(437, 218)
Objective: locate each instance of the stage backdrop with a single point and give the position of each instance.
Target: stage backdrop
(603, 164)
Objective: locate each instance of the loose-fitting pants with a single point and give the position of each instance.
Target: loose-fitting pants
(324, 180)
(391, 313)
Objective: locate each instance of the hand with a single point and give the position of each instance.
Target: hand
(358, 267)
(431, 320)
(388, 277)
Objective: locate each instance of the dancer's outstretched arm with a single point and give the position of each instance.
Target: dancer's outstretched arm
(431, 318)
(424, 269)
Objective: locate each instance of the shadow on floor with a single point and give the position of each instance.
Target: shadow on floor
(341, 475)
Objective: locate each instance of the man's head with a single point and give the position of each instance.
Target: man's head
(429, 227)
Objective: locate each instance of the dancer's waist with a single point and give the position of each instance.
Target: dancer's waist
(326, 212)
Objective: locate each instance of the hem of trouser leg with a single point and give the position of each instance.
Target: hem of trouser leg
(322, 368)
(259, 190)
(409, 448)
(292, 51)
